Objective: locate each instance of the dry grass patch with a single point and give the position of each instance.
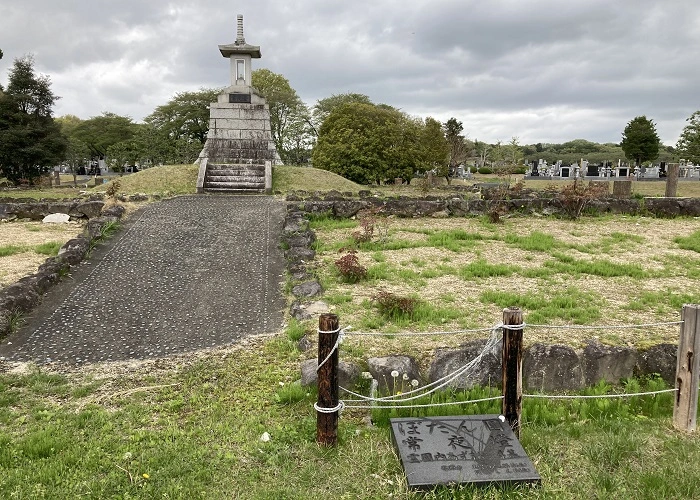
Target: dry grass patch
(28, 235)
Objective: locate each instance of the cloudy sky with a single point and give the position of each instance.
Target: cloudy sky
(541, 70)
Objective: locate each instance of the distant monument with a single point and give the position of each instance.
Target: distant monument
(239, 151)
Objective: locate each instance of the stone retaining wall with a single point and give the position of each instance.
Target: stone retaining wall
(21, 297)
(461, 205)
(546, 367)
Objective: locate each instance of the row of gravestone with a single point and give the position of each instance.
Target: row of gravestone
(21, 297)
(461, 206)
(545, 367)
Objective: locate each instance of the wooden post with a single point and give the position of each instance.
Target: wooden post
(672, 180)
(512, 368)
(685, 409)
(327, 423)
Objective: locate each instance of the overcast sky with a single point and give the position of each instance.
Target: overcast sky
(541, 70)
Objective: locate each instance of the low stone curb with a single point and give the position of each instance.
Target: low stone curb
(546, 367)
(21, 297)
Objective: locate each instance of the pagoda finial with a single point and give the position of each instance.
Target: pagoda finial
(240, 39)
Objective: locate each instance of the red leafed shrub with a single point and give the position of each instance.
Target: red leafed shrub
(350, 268)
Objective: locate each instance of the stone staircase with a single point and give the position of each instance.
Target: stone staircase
(235, 177)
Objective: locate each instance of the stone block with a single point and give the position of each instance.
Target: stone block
(601, 362)
(659, 359)
(348, 373)
(485, 373)
(552, 368)
(308, 289)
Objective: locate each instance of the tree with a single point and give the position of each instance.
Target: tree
(483, 151)
(367, 143)
(458, 150)
(435, 148)
(30, 140)
(288, 114)
(640, 142)
(324, 107)
(100, 132)
(185, 115)
(688, 145)
(77, 155)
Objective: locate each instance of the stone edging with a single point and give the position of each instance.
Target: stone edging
(546, 367)
(461, 205)
(21, 297)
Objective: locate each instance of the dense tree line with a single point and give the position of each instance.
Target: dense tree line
(345, 133)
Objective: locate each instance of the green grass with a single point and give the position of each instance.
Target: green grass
(691, 242)
(569, 304)
(194, 431)
(167, 180)
(566, 264)
(534, 242)
(49, 248)
(285, 179)
(8, 250)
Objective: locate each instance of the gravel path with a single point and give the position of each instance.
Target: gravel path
(187, 273)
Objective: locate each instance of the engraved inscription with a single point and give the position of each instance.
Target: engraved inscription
(478, 449)
(239, 98)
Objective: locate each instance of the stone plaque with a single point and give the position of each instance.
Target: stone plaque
(479, 449)
(239, 98)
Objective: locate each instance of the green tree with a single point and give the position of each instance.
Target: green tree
(30, 140)
(367, 143)
(185, 115)
(324, 107)
(121, 154)
(688, 145)
(77, 155)
(435, 148)
(458, 151)
(288, 114)
(640, 142)
(100, 132)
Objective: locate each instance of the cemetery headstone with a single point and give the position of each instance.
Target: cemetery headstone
(477, 449)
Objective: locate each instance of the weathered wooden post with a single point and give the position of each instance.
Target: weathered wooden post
(512, 368)
(327, 423)
(685, 409)
(672, 180)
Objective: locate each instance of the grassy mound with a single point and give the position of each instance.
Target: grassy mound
(285, 179)
(165, 180)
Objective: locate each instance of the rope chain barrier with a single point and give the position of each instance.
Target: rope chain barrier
(400, 398)
(598, 396)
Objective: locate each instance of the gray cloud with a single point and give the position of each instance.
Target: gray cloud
(542, 70)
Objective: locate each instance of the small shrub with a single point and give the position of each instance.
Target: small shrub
(113, 189)
(394, 306)
(350, 268)
(575, 197)
(485, 170)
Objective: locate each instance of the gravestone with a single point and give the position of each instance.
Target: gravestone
(477, 449)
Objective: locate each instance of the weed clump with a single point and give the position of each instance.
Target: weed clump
(395, 306)
(350, 268)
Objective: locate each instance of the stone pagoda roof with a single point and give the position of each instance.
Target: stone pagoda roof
(240, 46)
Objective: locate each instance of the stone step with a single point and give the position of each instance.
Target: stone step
(238, 164)
(236, 171)
(234, 185)
(233, 190)
(233, 179)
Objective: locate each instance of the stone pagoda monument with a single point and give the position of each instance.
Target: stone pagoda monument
(239, 151)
